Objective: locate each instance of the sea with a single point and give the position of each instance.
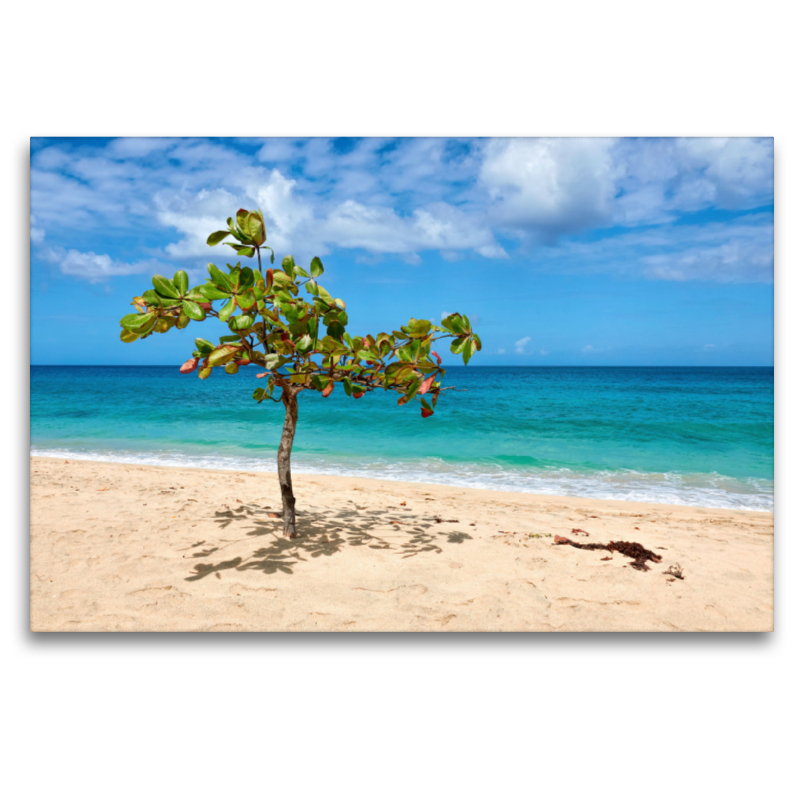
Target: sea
(698, 436)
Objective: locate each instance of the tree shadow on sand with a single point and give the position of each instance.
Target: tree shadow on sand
(324, 533)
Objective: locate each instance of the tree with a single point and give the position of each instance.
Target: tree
(278, 330)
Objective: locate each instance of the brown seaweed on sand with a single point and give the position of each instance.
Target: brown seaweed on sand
(634, 550)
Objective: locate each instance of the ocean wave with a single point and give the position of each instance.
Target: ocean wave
(707, 490)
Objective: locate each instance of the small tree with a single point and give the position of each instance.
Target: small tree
(273, 327)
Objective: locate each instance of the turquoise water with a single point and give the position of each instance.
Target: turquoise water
(692, 436)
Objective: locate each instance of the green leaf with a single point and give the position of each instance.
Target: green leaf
(210, 292)
(242, 250)
(469, 350)
(183, 321)
(281, 280)
(204, 373)
(420, 326)
(288, 265)
(219, 277)
(301, 272)
(242, 322)
(305, 343)
(152, 299)
(316, 267)
(454, 323)
(247, 278)
(232, 368)
(226, 311)
(223, 354)
(196, 295)
(181, 281)
(204, 346)
(259, 394)
(232, 338)
(138, 322)
(241, 220)
(457, 345)
(128, 336)
(254, 227)
(272, 360)
(165, 287)
(164, 324)
(217, 237)
(246, 299)
(336, 330)
(193, 311)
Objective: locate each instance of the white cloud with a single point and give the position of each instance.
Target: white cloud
(519, 346)
(549, 186)
(501, 350)
(437, 227)
(37, 234)
(404, 197)
(544, 352)
(97, 268)
(588, 349)
(739, 251)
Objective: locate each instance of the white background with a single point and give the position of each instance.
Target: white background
(650, 716)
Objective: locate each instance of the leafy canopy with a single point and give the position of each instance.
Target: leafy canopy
(302, 343)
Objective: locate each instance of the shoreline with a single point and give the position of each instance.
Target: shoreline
(119, 546)
(300, 469)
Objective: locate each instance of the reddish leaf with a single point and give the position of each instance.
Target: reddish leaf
(438, 360)
(402, 401)
(205, 306)
(358, 394)
(328, 389)
(262, 374)
(190, 365)
(427, 383)
(426, 413)
(242, 362)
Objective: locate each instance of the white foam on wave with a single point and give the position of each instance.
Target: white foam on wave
(704, 490)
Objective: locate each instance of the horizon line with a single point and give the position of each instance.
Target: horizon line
(485, 366)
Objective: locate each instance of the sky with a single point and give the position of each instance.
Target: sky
(563, 251)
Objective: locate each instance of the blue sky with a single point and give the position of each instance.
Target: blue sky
(561, 251)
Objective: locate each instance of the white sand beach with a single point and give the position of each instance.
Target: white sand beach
(118, 547)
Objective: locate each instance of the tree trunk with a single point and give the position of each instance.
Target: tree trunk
(284, 463)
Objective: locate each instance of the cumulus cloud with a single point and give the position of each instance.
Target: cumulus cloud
(549, 186)
(544, 188)
(437, 227)
(405, 197)
(519, 346)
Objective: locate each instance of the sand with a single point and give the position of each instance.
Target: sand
(118, 547)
